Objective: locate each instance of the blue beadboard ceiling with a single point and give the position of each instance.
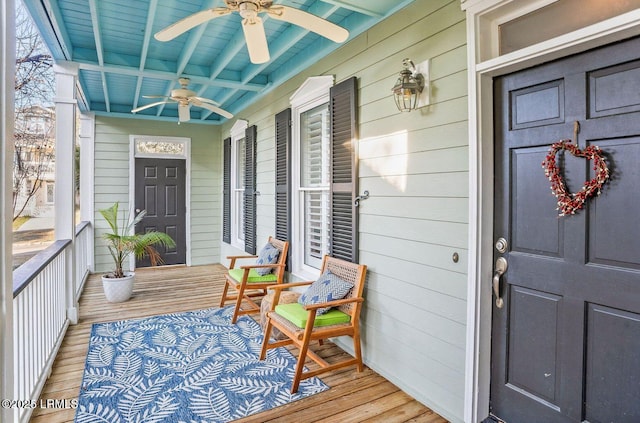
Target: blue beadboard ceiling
(120, 61)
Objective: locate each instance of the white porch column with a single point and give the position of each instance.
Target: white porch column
(7, 70)
(87, 181)
(65, 222)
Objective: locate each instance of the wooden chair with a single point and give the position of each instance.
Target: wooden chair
(307, 326)
(248, 284)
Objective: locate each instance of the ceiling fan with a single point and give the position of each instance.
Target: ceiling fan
(185, 97)
(252, 24)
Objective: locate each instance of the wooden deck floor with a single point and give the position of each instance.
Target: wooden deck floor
(353, 397)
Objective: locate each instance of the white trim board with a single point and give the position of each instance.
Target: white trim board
(7, 74)
(483, 62)
(237, 132)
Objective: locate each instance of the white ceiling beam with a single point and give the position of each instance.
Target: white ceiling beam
(354, 8)
(95, 22)
(151, 118)
(170, 76)
(151, 15)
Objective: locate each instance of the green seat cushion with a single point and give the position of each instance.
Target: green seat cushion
(296, 314)
(254, 277)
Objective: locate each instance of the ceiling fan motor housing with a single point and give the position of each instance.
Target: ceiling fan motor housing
(238, 4)
(182, 93)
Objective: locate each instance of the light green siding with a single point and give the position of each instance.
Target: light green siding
(415, 166)
(112, 155)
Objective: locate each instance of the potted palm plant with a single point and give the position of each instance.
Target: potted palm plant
(122, 241)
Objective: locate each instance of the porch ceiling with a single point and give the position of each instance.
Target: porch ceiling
(120, 61)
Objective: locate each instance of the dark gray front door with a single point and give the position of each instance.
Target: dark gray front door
(566, 343)
(160, 190)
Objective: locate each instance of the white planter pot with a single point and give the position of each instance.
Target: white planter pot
(118, 290)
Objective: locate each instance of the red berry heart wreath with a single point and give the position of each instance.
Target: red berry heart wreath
(569, 203)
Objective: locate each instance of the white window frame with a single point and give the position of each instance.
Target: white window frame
(238, 133)
(312, 93)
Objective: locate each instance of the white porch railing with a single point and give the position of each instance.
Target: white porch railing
(40, 320)
(83, 253)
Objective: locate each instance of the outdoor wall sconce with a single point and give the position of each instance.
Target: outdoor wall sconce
(408, 88)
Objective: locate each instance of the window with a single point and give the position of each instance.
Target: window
(310, 174)
(237, 208)
(313, 186)
(239, 192)
(322, 181)
(238, 169)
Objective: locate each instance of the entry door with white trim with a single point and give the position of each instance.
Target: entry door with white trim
(566, 341)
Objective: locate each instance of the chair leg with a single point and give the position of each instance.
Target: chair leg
(265, 340)
(236, 312)
(302, 357)
(224, 293)
(357, 348)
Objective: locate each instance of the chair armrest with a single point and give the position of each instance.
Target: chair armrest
(240, 257)
(234, 258)
(261, 266)
(283, 286)
(333, 303)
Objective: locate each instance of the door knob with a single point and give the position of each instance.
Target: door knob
(138, 210)
(501, 267)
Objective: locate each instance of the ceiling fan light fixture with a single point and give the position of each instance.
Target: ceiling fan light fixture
(183, 111)
(249, 11)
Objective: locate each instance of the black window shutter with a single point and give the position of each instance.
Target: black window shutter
(283, 175)
(226, 192)
(250, 190)
(344, 168)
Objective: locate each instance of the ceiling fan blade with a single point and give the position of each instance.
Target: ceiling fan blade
(183, 113)
(256, 40)
(203, 100)
(308, 21)
(191, 21)
(155, 96)
(157, 103)
(215, 109)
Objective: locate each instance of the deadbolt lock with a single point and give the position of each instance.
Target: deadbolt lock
(501, 245)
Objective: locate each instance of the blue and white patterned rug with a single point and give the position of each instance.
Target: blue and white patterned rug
(184, 367)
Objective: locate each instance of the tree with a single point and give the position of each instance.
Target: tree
(34, 116)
